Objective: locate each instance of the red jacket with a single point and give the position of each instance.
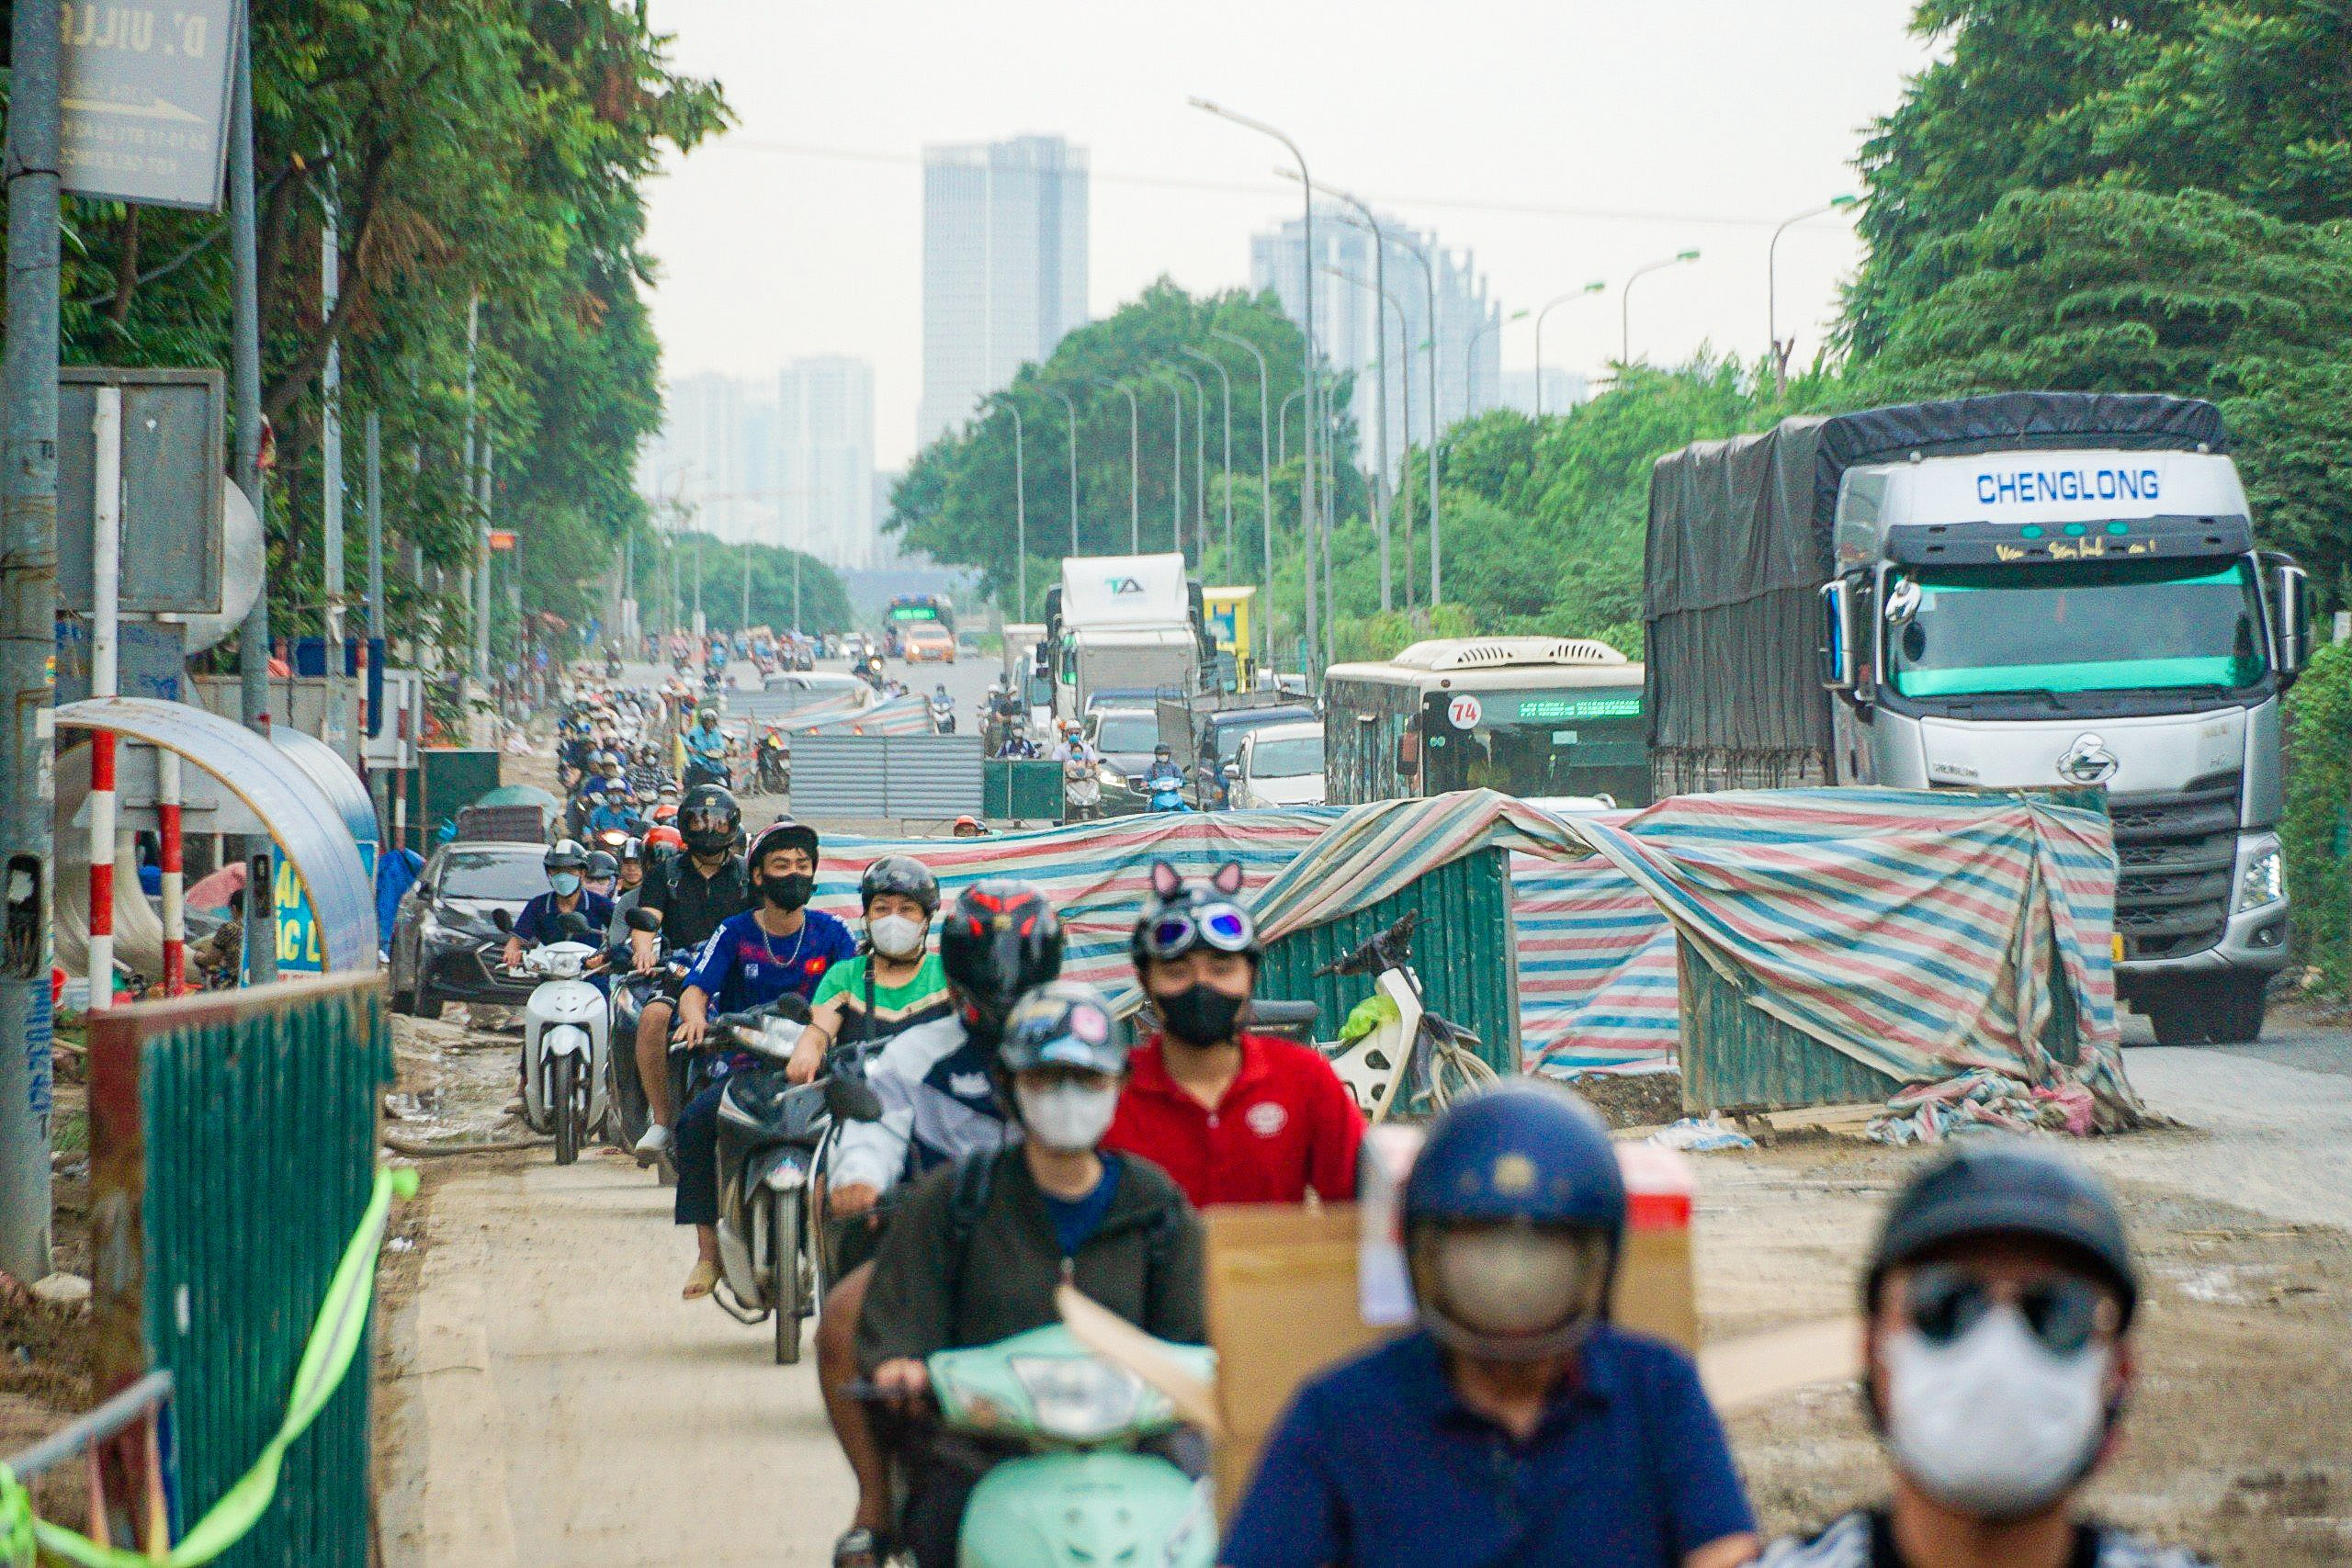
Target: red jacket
(1284, 1125)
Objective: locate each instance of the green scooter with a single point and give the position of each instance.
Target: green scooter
(1082, 1495)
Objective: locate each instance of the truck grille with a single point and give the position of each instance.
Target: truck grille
(2174, 856)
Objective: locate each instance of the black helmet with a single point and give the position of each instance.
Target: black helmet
(1181, 916)
(1001, 941)
(602, 866)
(567, 854)
(2005, 1185)
(1063, 1023)
(632, 847)
(709, 819)
(902, 874)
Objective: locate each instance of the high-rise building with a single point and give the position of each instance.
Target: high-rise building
(1563, 389)
(1347, 317)
(698, 459)
(824, 416)
(1003, 268)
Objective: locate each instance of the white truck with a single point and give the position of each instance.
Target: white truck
(2029, 589)
(1125, 626)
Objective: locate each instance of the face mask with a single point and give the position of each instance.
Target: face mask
(565, 883)
(789, 891)
(1992, 1423)
(895, 936)
(1200, 1015)
(1066, 1116)
(1512, 1282)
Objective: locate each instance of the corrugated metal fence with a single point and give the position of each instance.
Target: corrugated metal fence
(910, 777)
(233, 1145)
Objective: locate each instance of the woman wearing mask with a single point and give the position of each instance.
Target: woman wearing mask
(895, 984)
(978, 1248)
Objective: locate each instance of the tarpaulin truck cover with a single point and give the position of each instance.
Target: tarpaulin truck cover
(1739, 545)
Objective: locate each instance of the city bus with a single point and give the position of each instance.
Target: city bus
(1555, 719)
(911, 610)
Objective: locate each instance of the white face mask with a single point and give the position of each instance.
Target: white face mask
(895, 936)
(1067, 1116)
(1993, 1423)
(1507, 1281)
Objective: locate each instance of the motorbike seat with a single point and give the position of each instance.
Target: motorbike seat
(1268, 1014)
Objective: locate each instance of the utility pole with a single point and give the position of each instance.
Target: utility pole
(331, 461)
(28, 638)
(1071, 410)
(1226, 380)
(374, 428)
(481, 530)
(244, 366)
(1020, 518)
(1265, 488)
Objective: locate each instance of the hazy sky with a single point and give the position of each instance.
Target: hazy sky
(1562, 140)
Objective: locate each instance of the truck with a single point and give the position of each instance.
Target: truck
(1128, 624)
(2018, 590)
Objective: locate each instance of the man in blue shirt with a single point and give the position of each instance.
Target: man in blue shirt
(780, 948)
(541, 921)
(615, 811)
(1519, 1426)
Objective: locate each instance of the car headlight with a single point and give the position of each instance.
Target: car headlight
(2265, 882)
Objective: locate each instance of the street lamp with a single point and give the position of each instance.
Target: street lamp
(1135, 461)
(1265, 488)
(1626, 299)
(1226, 465)
(1470, 364)
(1428, 278)
(1772, 287)
(1019, 514)
(1560, 300)
(1199, 455)
(1382, 300)
(1176, 468)
(1071, 410)
(1307, 508)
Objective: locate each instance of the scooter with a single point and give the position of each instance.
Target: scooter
(1167, 792)
(775, 765)
(1432, 1060)
(942, 716)
(629, 1112)
(564, 1025)
(772, 1138)
(1078, 1493)
(709, 769)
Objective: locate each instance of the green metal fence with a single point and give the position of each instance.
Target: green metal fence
(233, 1146)
(1464, 950)
(1017, 790)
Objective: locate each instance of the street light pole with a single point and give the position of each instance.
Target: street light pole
(1200, 460)
(1556, 299)
(1226, 463)
(1071, 408)
(1020, 509)
(1382, 298)
(1176, 470)
(1625, 300)
(1428, 279)
(1265, 490)
(1470, 362)
(1772, 293)
(1135, 461)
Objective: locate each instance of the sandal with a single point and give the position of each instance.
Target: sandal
(860, 1548)
(701, 1282)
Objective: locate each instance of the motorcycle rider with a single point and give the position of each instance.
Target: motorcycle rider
(1519, 1425)
(977, 1250)
(614, 811)
(541, 921)
(781, 947)
(647, 777)
(896, 984)
(968, 826)
(604, 871)
(940, 1103)
(1232, 1116)
(707, 745)
(1998, 1313)
(630, 883)
(1081, 774)
(1163, 777)
(692, 893)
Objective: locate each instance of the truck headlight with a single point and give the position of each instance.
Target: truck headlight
(2265, 882)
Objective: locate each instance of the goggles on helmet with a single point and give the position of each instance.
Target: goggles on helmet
(1227, 927)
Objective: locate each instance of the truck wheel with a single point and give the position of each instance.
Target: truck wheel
(2234, 1008)
(2176, 1020)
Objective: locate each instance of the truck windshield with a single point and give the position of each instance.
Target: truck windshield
(1288, 759)
(2079, 626)
(1539, 743)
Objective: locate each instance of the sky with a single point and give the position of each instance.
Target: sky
(1561, 140)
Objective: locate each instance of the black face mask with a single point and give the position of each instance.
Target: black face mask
(1201, 1015)
(789, 891)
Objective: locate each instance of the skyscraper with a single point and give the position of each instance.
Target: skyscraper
(825, 458)
(698, 459)
(1347, 317)
(1003, 268)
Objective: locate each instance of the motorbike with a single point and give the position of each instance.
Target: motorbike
(1081, 790)
(1166, 792)
(773, 1135)
(612, 666)
(775, 765)
(709, 769)
(1076, 1490)
(629, 1113)
(1409, 1048)
(942, 716)
(564, 1033)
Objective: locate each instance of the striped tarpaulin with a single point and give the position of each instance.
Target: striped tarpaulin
(1597, 982)
(909, 715)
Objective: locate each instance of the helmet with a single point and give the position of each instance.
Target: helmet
(902, 874)
(1181, 916)
(664, 838)
(1001, 939)
(609, 760)
(568, 854)
(1163, 750)
(710, 819)
(1063, 1023)
(602, 866)
(632, 848)
(707, 716)
(784, 834)
(1525, 1155)
(1995, 1186)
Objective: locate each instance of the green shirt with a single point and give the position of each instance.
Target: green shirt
(917, 1000)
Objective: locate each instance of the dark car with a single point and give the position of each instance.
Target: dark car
(444, 943)
(1126, 737)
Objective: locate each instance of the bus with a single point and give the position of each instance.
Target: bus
(916, 609)
(1547, 720)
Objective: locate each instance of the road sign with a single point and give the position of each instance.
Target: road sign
(502, 538)
(145, 110)
(172, 521)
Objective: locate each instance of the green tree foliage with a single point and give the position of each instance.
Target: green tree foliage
(2319, 781)
(470, 148)
(823, 599)
(2111, 289)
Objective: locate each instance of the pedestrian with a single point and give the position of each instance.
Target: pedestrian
(1997, 1313)
(1519, 1426)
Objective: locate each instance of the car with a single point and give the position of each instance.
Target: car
(812, 680)
(926, 642)
(1279, 765)
(446, 940)
(1219, 733)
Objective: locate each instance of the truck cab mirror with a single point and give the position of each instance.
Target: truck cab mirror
(1840, 649)
(2290, 618)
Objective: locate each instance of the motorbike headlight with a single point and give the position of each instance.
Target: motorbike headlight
(1077, 1399)
(2265, 881)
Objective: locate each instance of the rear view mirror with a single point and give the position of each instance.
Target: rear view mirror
(642, 920)
(848, 1099)
(2290, 618)
(1840, 648)
(502, 921)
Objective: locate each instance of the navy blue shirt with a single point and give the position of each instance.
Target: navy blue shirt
(1077, 1219)
(1378, 1464)
(741, 966)
(537, 924)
